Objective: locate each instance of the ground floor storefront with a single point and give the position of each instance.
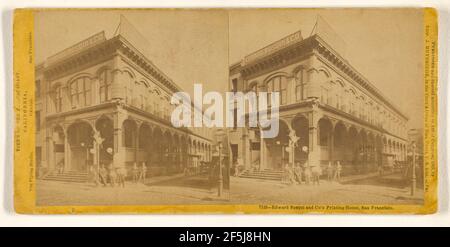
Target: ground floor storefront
(318, 135)
(113, 136)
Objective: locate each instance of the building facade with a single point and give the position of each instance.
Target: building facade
(336, 113)
(101, 101)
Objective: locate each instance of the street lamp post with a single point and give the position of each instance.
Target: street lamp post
(413, 172)
(220, 189)
(282, 153)
(87, 154)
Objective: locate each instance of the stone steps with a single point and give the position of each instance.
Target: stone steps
(263, 174)
(69, 176)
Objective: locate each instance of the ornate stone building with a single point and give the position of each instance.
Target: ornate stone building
(333, 109)
(107, 88)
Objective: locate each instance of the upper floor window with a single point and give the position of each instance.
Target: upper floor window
(277, 84)
(105, 80)
(234, 85)
(58, 99)
(325, 96)
(299, 87)
(38, 88)
(254, 88)
(38, 120)
(80, 92)
(129, 84)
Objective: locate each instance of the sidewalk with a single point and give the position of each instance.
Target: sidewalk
(357, 177)
(167, 178)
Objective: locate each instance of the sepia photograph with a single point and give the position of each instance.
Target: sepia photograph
(350, 108)
(271, 107)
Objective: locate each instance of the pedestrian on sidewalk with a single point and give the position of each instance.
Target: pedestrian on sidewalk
(121, 174)
(380, 170)
(330, 171)
(93, 175)
(307, 173)
(338, 170)
(298, 173)
(143, 173)
(135, 173)
(316, 172)
(291, 175)
(103, 174)
(112, 175)
(60, 166)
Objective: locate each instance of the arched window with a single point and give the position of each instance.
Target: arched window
(129, 84)
(299, 86)
(277, 84)
(105, 79)
(80, 92)
(325, 95)
(254, 88)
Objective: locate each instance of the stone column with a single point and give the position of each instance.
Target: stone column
(95, 91)
(67, 152)
(314, 148)
(119, 149)
(331, 146)
(291, 90)
(136, 143)
(262, 154)
(51, 153)
(312, 86)
(245, 149)
(65, 101)
(117, 85)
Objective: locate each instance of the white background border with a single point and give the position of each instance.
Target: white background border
(9, 218)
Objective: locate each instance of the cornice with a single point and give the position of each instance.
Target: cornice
(332, 56)
(142, 61)
(102, 51)
(293, 53)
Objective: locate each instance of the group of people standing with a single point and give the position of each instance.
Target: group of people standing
(112, 176)
(308, 174)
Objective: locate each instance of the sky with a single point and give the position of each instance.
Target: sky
(189, 46)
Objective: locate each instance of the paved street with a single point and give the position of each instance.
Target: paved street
(195, 190)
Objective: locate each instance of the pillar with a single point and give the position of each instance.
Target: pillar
(95, 91)
(331, 140)
(290, 87)
(119, 149)
(262, 154)
(117, 89)
(51, 154)
(65, 101)
(314, 149)
(67, 152)
(136, 143)
(246, 149)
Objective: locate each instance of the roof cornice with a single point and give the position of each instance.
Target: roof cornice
(107, 49)
(313, 43)
(336, 59)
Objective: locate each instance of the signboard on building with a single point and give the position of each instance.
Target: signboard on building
(78, 47)
(274, 47)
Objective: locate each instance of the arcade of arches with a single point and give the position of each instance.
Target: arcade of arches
(357, 148)
(163, 149)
